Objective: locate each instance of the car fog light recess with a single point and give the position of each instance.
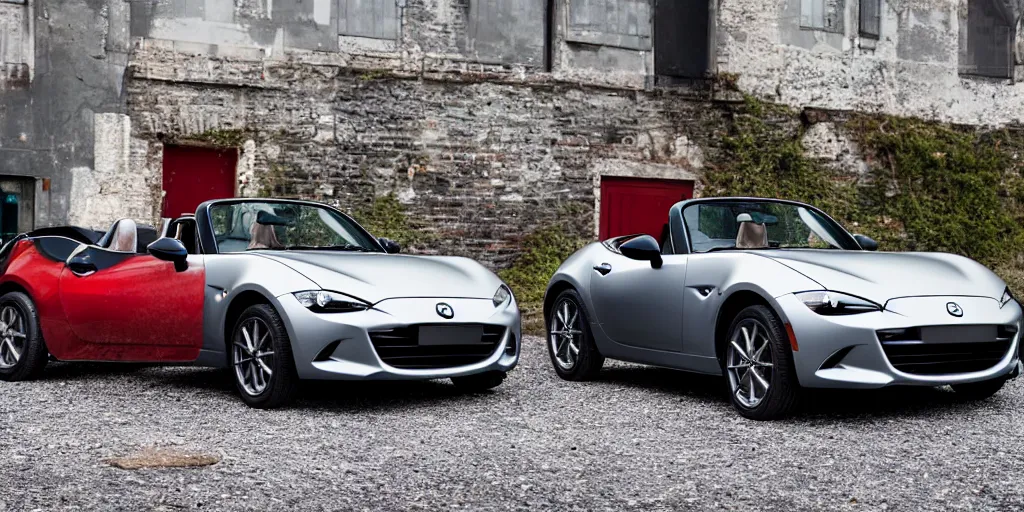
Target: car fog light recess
(829, 303)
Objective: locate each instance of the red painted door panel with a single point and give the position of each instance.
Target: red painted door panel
(633, 205)
(193, 175)
(142, 305)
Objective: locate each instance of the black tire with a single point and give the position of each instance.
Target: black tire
(480, 382)
(284, 381)
(976, 391)
(588, 361)
(784, 392)
(33, 353)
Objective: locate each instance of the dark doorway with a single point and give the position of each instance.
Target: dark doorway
(17, 206)
(634, 205)
(193, 175)
(682, 38)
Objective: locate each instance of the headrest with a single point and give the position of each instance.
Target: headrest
(269, 219)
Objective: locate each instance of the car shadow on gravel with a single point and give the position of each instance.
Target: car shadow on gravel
(379, 396)
(818, 404)
(313, 395)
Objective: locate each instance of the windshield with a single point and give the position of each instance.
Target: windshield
(255, 225)
(722, 225)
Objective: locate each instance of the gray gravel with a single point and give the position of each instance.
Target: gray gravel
(638, 438)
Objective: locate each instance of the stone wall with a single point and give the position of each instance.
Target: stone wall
(477, 161)
(912, 69)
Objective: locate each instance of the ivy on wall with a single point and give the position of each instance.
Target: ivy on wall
(385, 217)
(929, 187)
(544, 250)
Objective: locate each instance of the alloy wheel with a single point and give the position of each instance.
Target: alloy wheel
(13, 340)
(566, 334)
(253, 356)
(749, 362)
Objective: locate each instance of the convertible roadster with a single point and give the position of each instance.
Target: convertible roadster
(275, 290)
(777, 296)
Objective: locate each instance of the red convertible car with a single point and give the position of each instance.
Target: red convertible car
(274, 290)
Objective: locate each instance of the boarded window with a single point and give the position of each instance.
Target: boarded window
(822, 15)
(377, 19)
(506, 32)
(620, 23)
(15, 43)
(986, 43)
(870, 18)
(682, 38)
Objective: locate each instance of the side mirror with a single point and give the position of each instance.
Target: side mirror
(866, 243)
(390, 246)
(643, 248)
(169, 249)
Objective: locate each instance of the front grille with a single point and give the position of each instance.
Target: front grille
(946, 349)
(443, 346)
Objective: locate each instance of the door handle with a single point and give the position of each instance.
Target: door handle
(81, 267)
(603, 268)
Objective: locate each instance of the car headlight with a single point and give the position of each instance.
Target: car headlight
(835, 304)
(1006, 298)
(323, 301)
(501, 296)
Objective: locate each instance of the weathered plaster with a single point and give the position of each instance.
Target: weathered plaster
(73, 70)
(121, 184)
(912, 70)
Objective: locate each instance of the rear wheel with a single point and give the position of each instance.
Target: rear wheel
(978, 390)
(570, 342)
(479, 382)
(759, 367)
(23, 353)
(261, 359)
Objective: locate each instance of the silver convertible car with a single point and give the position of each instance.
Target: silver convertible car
(274, 290)
(777, 296)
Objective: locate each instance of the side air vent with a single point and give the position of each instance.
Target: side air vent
(326, 352)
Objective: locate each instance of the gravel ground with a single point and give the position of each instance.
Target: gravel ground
(638, 438)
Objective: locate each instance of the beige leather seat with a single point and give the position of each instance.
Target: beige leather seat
(751, 235)
(263, 237)
(126, 236)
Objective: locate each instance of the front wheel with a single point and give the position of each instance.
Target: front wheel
(570, 343)
(978, 390)
(758, 366)
(23, 353)
(261, 359)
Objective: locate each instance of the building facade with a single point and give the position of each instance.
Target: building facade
(484, 119)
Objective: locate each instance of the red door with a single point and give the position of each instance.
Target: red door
(632, 206)
(193, 175)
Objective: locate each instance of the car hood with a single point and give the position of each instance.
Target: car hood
(374, 277)
(881, 276)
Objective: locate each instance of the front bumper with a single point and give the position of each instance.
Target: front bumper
(353, 356)
(845, 351)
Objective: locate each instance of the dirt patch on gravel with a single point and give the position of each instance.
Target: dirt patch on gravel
(162, 458)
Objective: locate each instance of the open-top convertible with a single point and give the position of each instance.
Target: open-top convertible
(275, 290)
(777, 296)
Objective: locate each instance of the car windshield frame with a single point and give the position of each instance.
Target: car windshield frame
(845, 240)
(366, 242)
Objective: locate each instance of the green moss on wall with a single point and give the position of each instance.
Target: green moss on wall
(385, 217)
(929, 187)
(544, 250)
(222, 138)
